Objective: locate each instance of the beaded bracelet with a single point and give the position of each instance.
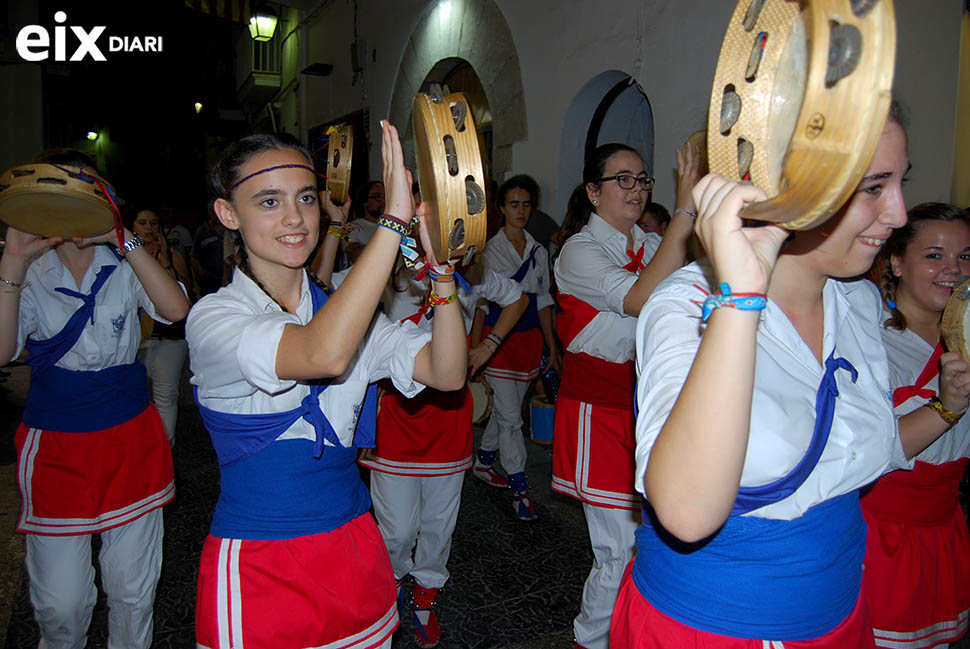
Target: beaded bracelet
(740, 301)
(7, 282)
(495, 338)
(948, 416)
(393, 224)
(683, 210)
(435, 300)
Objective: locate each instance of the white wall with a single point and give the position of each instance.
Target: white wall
(562, 44)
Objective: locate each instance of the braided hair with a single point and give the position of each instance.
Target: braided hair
(226, 173)
(898, 243)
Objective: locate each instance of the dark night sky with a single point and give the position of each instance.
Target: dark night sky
(144, 100)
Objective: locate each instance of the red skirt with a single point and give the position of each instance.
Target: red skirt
(917, 576)
(332, 589)
(594, 454)
(518, 358)
(638, 625)
(82, 483)
(428, 435)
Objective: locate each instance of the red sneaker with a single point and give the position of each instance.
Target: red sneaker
(427, 633)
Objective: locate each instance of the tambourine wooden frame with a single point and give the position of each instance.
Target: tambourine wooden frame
(444, 193)
(954, 325)
(482, 419)
(45, 200)
(340, 158)
(838, 126)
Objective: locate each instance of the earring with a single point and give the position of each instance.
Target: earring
(595, 202)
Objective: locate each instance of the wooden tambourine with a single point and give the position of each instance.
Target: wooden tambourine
(698, 140)
(54, 201)
(800, 98)
(340, 156)
(955, 325)
(482, 400)
(449, 173)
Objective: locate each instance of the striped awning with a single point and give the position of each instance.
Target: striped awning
(236, 10)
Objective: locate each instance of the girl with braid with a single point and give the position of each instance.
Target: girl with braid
(917, 577)
(282, 373)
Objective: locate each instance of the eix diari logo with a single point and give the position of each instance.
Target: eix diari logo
(33, 42)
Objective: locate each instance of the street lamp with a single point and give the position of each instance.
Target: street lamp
(262, 24)
(92, 135)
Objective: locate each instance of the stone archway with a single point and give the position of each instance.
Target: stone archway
(476, 32)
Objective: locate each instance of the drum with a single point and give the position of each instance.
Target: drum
(955, 324)
(55, 201)
(482, 398)
(450, 173)
(340, 156)
(542, 416)
(800, 97)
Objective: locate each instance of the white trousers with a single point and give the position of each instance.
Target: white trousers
(504, 429)
(611, 535)
(164, 358)
(63, 593)
(419, 514)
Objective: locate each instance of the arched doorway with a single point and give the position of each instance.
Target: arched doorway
(607, 109)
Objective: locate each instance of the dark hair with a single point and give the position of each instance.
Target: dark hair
(521, 181)
(226, 173)
(67, 158)
(659, 212)
(579, 208)
(130, 211)
(900, 239)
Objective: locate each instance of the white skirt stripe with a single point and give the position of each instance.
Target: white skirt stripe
(235, 596)
(72, 526)
(421, 469)
(924, 637)
(372, 636)
(28, 454)
(222, 594)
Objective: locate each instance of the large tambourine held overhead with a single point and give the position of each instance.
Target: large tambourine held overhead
(800, 98)
(955, 324)
(54, 201)
(340, 157)
(450, 173)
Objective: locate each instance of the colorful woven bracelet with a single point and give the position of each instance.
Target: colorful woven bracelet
(435, 300)
(339, 231)
(441, 276)
(740, 301)
(404, 224)
(948, 416)
(393, 225)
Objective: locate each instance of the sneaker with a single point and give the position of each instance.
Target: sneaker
(524, 509)
(427, 632)
(487, 474)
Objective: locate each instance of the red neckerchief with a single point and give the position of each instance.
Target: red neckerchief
(931, 369)
(636, 260)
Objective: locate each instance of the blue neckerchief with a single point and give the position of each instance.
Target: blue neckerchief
(752, 498)
(45, 353)
(530, 262)
(237, 436)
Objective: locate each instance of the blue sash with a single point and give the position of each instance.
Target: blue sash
(752, 498)
(80, 401)
(529, 319)
(282, 491)
(237, 436)
(759, 578)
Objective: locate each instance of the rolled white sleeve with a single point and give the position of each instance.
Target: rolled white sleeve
(588, 274)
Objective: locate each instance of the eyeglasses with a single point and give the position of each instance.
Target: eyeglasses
(626, 181)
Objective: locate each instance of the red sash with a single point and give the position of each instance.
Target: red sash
(592, 380)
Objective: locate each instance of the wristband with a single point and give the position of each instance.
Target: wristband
(948, 416)
(404, 224)
(739, 301)
(338, 230)
(683, 210)
(392, 224)
(7, 282)
(435, 300)
(495, 338)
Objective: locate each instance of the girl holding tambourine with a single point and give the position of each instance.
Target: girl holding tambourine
(93, 456)
(917, 577)
(282, 373)
(758, 425)
(606, 270)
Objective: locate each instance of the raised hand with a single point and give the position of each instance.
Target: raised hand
(742, 256)
(397, 179)
(338, 214)
(27, 247)
(954, 382)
